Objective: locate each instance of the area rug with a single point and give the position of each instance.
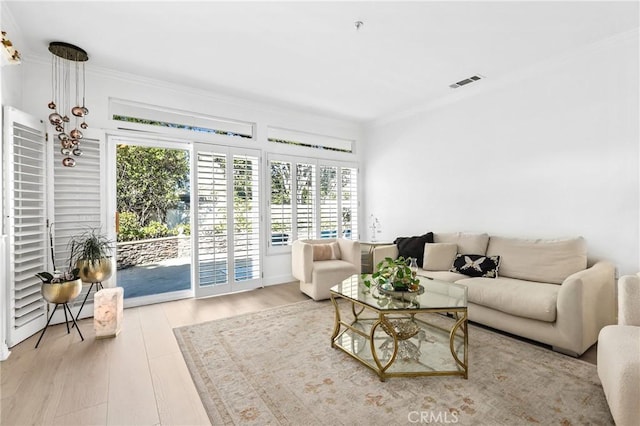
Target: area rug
(277, 367)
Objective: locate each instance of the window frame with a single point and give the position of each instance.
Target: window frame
(317, 163)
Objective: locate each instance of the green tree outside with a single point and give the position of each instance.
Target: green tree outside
(149, 181)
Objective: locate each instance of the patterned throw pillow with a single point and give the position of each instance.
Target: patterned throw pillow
(476, 265)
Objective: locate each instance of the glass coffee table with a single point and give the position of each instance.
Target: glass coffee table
(400, 334)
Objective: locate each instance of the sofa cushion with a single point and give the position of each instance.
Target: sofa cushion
(413, 246)
(447, 276)
(329, 251)
(332, 271)
(476, 265)
(467, 243)
(527, 299)
(548, 261)
(439, 256)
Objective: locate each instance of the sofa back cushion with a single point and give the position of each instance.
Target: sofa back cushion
(467, 243)
(547, 261)
(439, 256)
(329, 251)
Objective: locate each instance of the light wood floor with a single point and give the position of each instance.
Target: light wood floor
(138, 378)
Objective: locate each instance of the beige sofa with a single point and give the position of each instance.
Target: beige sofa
(619, 355)
(544, 290)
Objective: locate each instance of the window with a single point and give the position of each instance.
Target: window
(349, 201)
(149, 115)
(281, 209)
(305, 200)
(309, 140)
(310, 199)
(328, 202)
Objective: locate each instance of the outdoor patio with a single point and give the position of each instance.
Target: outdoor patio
(154, 278)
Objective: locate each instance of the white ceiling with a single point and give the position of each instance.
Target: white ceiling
(309, 54)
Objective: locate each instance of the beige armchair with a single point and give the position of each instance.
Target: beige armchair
(321, 264)
(619, 355)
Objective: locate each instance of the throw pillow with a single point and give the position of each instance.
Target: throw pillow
(329, 251)
(439, 256)
(476, 265)
(413, 246)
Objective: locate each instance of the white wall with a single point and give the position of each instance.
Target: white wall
(11, 74)
(551, 153)
(103, 84)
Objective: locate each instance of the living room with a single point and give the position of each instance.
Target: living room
(544, 144)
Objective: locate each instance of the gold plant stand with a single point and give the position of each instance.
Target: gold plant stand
(61, 294)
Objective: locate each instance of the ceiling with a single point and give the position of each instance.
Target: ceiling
(309, 54)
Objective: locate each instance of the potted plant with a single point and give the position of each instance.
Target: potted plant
(91, 252)
(394, 274)
(60, 287)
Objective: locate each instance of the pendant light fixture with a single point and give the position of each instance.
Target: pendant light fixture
(68, 98)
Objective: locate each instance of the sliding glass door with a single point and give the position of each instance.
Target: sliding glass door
(227, 201)
(153, 219)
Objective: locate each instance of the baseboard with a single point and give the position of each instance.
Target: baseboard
(4, 351)
(280, 279)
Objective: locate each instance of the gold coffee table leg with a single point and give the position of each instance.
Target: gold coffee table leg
(336, 326)
(462, 324)
(388, 329)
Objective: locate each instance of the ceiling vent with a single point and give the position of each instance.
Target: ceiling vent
(466, 81)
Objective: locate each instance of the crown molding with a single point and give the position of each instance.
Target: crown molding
(490, 84)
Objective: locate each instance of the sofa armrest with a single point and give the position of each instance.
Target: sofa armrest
(382, 252)
(350, 252)
(629, 300)
(586, 303)
(301, 261)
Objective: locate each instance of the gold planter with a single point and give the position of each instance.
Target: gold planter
(94, 272)
(61, 292)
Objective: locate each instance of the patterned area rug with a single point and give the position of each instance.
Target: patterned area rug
(277, 367)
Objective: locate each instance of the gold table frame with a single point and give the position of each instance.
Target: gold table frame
(385, 319)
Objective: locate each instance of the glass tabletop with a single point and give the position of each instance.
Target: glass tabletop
(436, 295)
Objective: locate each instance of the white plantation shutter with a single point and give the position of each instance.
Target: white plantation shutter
(326, 198)
(280, 205)
(349, 202)
(305, 201)
(227, 199)
(77, 204)
(328, 202)
(26, 222)
(246, 217)
(211, 195)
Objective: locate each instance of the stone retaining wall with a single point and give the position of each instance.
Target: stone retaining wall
(132, 253)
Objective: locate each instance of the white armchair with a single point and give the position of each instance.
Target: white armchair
(321, 264)
(619, 355)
